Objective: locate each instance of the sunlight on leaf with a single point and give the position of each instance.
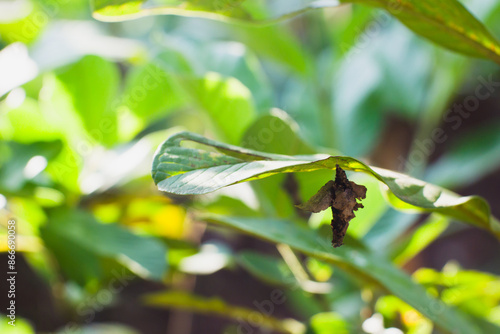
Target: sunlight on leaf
(448, 23)
(181, 170)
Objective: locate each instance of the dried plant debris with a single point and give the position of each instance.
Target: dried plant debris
(341, 195)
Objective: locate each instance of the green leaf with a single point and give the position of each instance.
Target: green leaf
(181, 170)
(19, 25)
(232, 59)
(26, 123)
(168, 84)
(266, 268)
(150, 92)
(352, 260)
(93, 84)
(276, 133)
(276, 42)
(421, 238)
(216, 306)
(226, 10)
(476, 293)
(91, 242)
(447, 23)
(388, 229)
(326, 323)
(226, 101)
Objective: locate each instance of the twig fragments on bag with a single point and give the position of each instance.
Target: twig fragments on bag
(341, 195)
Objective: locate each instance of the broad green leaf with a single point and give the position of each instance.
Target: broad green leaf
(216, 90)
(226, 106)
(181, 170)
(448, 23)
(226, 101)
(151, 92)
(276, 42)
(421, 238)
(388, 229)
(276, 133)
(354, 261)
(92, 83)
(216, 306)
(92, 242)
(266, 268)
(26, 123)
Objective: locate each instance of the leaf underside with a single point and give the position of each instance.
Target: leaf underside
(181, 170)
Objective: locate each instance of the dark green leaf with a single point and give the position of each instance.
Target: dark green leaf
(266, 268)
(355, 261)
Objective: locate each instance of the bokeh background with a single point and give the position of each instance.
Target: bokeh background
(84, 105)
